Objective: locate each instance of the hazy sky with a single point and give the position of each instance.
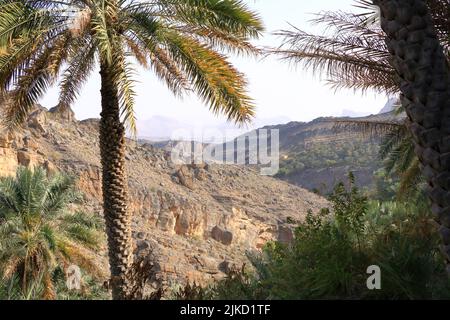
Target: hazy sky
(280, 91)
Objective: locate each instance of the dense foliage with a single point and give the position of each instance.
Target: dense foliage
(39, 237)
(355, 152)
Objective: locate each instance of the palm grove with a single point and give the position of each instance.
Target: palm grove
(183, 43)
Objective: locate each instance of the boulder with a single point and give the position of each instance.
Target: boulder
(6, 139)
(208, 264)
(201, 174)
(221, 235)
(38, 119)
(185, 177)
(30, 143)
(24, 158)
(8, 162)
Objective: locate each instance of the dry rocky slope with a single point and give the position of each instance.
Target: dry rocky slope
(194, 221)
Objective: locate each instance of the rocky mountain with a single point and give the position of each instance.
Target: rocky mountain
(313, 155)
(316, 156)
(194, 221)
(390, 105)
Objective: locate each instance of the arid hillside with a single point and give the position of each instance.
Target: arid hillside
(195, 221)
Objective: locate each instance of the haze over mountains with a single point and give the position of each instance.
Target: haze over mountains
(161, 128)
(312, 154)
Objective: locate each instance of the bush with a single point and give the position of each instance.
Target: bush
(332, 251)
(239, 284)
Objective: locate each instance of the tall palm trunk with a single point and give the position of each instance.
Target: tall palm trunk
(424, 77)
(115, 193)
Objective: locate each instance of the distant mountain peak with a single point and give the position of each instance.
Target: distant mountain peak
(390, 105)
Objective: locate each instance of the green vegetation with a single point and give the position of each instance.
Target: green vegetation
(331, 253)
(39, 237)
(319, 155)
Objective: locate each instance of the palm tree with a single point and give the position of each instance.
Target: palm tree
(424, 79)
(179, 40)
(37, 235)
(355, 55)
(414, 61)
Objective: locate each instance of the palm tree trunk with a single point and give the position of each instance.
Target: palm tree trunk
(424, 77)
(115, 193)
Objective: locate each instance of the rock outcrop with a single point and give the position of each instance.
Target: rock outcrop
(223, 236)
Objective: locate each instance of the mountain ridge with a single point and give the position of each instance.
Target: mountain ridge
(193, 221)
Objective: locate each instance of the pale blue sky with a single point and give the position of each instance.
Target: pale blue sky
(280, 91)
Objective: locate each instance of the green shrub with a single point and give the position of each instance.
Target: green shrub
(331, 253)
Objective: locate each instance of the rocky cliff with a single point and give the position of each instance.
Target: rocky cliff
(194, 221)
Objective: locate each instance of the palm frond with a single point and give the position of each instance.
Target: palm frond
(410, 181)
(354, 23)
(400, 156)
(122, 75)
(34, 82)
(222, 41)
(232, 17)
(213, 78)
(59, 193)
(371, 128)
(35, 236)
(224, 25)
(138, 51)
(18, 18)
(81, 62)
(80, 256)
(143, 33)
(83, 235)
(23, 32)
(101, 33)
(346, 58)
(8, 197)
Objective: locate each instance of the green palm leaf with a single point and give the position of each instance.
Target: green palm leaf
(37, 235)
